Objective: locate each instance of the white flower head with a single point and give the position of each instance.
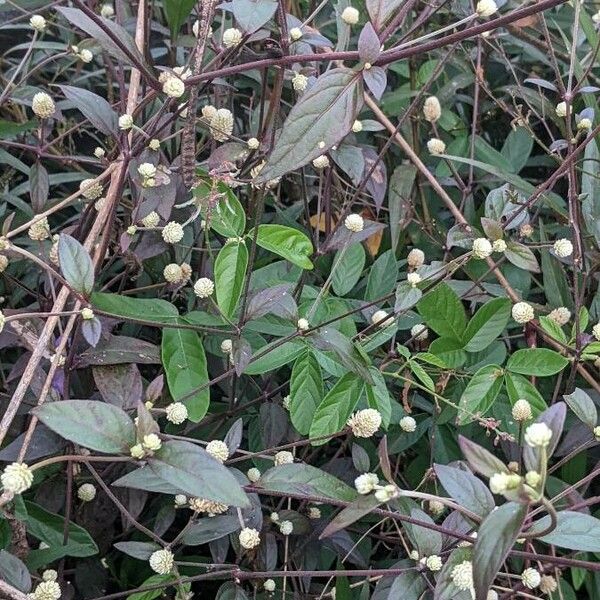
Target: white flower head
(299, 82)
(38, 23)
(147, 170)
(172, 273)
(482, 248)
(436, 508)
(226, 346)
(49, 575)
(180, 500)
(584, 124)
(357, 126)
(522, 312)
(596, 331)
(16, 478)
(432, 109)
(434, 562)
(202, 505)
(43, 105)
(3, 263)
(90, 189)
(563, 248)
(354, 222)
(218, 450)
(208, 111)
(521, 411)
(408, 424)
(249, 538)
(415, 258)
(414, 279)
(232, 37)
(303, 324)
(86, 492)
(350, 15)
(125, 122)
(154, 144)
(283, 457)
(560, 315)
(86, 55)
(314, 512)
(161, 561)
(499, 246)
(137, 451)
(151, 220)
(419, 332)
(366, 483)
(151, 442)
(386, 493)
(99, 152)
(436, 146)
(381, 319)
(173, 87)
(47, 590)
(286, 527)
(486, 8)
(462, 575)
(172, 232)
(107, 11)
(321, 162)
(561, 109)
(365, 423)
(531, 578)
(204, 287)
(221, 124)
(548, 584)
(177, 413)
(533, 478)
(253, 474)
(253, 143)
(269, 585)
(40, 230)
(295, 34)
(538, 435)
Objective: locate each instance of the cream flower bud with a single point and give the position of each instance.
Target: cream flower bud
(436, 146)
(208, 111)
(107, 11)
(2, 320)
(38, 23)
(414, 279)
(204, 287)
(86, 55)
(226, 346)
(16, 478)
(597, 433)
(177, 413)
(274, 517)
(321, 162)
(202, 505)
(286, 402)
(560, 315)
(231, 37)
(49, 575)
(3, 263)
(531, 578)
(413, 555)
(172, 273)
(381, 319)
(462, 575)
(432, 109)
(486, 8)
(357, 126)
(172, 232)
(533, 478)
(436, 508)
(596, 331)
(87, 314)
(354, 222)
(284, 457)
(99, 152)
(125, 122)
(526, 230)
(151, 220)
(269, 585)
(40, 230)
(253, 474)
(147, 170)
(218, 450)
(492, 595)
(295, 34)
(302, 324)
(522, 312)
(43, 105)
(299, 82)
(548, 584)
(249, 538)
(350, 15)
(253, 143)
(221, 124)
(419, 332)
(499, 246)
(521, 411)
(538, 435)
(47, 590)
(286, 527)
(561, 109)
(180, 500)
(151, 442)
(173, 87)
(365, 483)
(499, 483)
(86, 492)
(131, 230)
(386, 493)
(90, 189)
(482, 248)
(154, 144)
(563, 248)
(408, 424)
(137, 451)
(365, 423)
(161, 561)
(434, 562)
(415, 258)
(584, 124)
(314, 512)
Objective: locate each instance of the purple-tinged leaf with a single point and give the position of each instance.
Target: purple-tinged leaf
(76, 264)
(369, 46)
(376, 80)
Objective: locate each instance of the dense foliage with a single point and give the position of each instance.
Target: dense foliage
(299, 300)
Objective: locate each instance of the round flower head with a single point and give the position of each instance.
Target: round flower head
(314, 512)
(125, 122)
(86, 55)
(253, 474)
(432, 109)
(154, 144)
(147, 170)
(365, 423)
(584, 124)
(137, 451)
(522, 312)
(436, 146)
(99, 152)
(38, 23)
(269, 585)
(548, 584)
(231, 37)
(357, 126)
(86, 492)
(596, 331)
(180, 500)
(286, 527)
(563, 248)
(482, 248)
(499, 246)
(177, 413)
(284, 457)
(173, 87)
(47, 590)
(303, 324)
(414, 555)
(172, 273)
(131, 230)
(16, 478)
(486, 8)
(3, 263)
(350, 15)
(43, 105)
(526, 230)
(531, 578)
(492, 595)
(295, 34)
(414, 279)
(354, 222)
(107, 11)
(434, 563)
(226, 346)
(2, 320)
(172, 232)
(436, 508)
(385, 493)
(419, 332)
(596, 430)
(161, 561)
(561, 109)
(249, 538)
(204, 287)
(40, 230)
(462, 575)
(521, 411)
(321, 162)
(151, 442)
(366, 483)
(90, 189)
(538, 435)
(221, 124)
(533, 478)
(299, 82)
(408, 424)
(502, 482)
(253, 144)
(49, 575)
(151, 220)
(218, 450)
(560, 315)
(415, 258)
(381, 319)
(208, 111)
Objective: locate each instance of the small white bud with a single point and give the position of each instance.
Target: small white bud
(99, 152)
(499, 246)
(125, 122)
(584, 124)
(151, 220)
(43, 105)
(415, 258)
(154, 144)
(419, 332)
(354, 222)
(381, 319)
(177, 413)
(302, 324)
(521, 411)
(49, 575)
(321, 162)
(531, 578)
(231, 37)
(408, 424)
(538, 435)
(218, 450)
(522, 312)
(16, 478)
(284, 457)
(482, 248)
(172, 273)
(269, 585)
(295, 34)
(172, 232)
(350, 15)
(365, 483)
(434, 563)
(436, 146)
(357, 126)
(414, 279)
(221, 124)
(563, 248)
(173, 87)
(560, 315)
(299, 82)
(151, 442)
(38, 23)
(107, 11)
(253, 144)
(486, 8)
(253, 474)
(161, 561)
(596, 331)
(87, 314)
(86, 492)
(40, 230)
(249, 538)
(432, 109)
(286, 527)
(561, 109)
(226, 346)
(462, 575)
(180, 500)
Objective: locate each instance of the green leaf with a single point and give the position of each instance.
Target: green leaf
(574, 530)
(362, 506)
(337, 406)
(14, 572)
(406, 297)
(139, 550)
(422, 375)
(274, 356)
(590, 190)
(322, 118)
(583, 406)
(401, 185)
(91, 424)
(443, 312)
(521, 256)
(480, 393)
(519, 387)
(348, 268)
(195, 472)
(487, 324)
(177, 12)
(303, 479)
(450, 351)
(9, 129)
(378, 396)
(382, 276)
(495, 538)
(76, 264)
(306, 391)
(226, 216)
(204, 531)
(253, 14)
(289, 243)
(407, 586)
(426, 540)
(230, 271)
(541, 362)
(126, 307)
(184, 361)
(517, 148)
(553, 329)
(445, 588)
(153, 593)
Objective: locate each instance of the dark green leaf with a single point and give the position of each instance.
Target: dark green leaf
(306, 391)
(253, 14)
(583, 406)
(443, 312)
(230, 271)
(480, 393)
(208, 530)
(349, 265)
(540, 362)
(289, 243)
(177, 12)
(487, 324)
(574, 530)
(126, 307)
(76, 264)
